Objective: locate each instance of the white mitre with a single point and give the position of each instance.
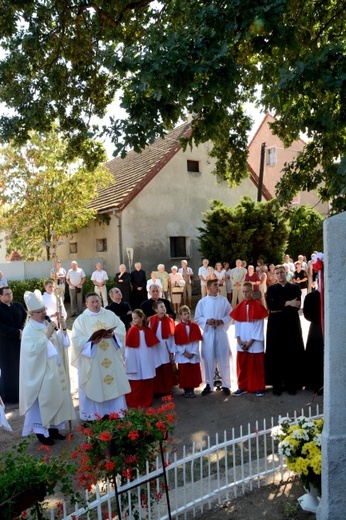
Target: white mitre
(34, 300)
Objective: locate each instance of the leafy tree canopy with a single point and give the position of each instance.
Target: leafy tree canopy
(248, 231)
(306, 231)
(40, 193)
(253, 230)
(65, 60)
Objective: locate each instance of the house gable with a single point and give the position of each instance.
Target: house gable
(276, 155)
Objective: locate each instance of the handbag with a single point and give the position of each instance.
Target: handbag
(177, 290)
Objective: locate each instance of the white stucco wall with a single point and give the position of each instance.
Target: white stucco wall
(170, 205)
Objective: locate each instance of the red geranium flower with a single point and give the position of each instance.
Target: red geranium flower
(105, 436)
(133, 435)
(109, 465)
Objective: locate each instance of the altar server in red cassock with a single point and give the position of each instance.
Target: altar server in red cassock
(163, 326)
(249, 330)
(187, 338)
(140, 361)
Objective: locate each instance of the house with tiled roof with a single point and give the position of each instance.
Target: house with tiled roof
(152, 211)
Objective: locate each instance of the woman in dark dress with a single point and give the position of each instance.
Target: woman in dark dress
(123, 282)
(139, 284)
(315, 343)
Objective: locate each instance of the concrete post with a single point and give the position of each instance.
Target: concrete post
(333, 502)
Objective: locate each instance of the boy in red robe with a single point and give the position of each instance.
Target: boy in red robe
(187, 337)
(140, 361)
(249, 330)
(163, 326)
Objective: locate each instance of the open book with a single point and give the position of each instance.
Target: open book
(101, 333)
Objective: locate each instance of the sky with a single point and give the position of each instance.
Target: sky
(117, 112)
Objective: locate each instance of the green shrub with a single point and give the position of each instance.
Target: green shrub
(20, 286)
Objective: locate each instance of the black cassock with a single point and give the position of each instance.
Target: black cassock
(12, 319)
(315, 343)
(138, 279)
(284, 356)
(121, 309)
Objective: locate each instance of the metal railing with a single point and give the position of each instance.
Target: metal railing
(202, 477)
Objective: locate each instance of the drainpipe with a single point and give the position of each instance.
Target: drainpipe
(261, 172)
(120, 236)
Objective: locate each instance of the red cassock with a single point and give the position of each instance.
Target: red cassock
(164, 379)
(250, 371)
(142, 390)
(250, 366)
(189, 373)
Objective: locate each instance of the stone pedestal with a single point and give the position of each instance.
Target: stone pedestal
(333, 501)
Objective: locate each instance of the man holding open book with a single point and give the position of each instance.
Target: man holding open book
(98, 354)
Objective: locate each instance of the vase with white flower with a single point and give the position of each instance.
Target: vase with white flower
(300, 443)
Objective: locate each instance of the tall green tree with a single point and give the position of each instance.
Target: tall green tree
(40, 193)
(306, 231)
(65, 60)
(248, 231)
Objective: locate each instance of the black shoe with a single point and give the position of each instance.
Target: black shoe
(226, 390)
(47, 441)
(276, 391)
(292, 392)
(54, 434)
(207, 390)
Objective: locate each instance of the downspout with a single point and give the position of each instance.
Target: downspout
(120, 236)
(261, 172)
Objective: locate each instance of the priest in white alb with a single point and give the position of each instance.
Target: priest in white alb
(100, 360)
(44, 384)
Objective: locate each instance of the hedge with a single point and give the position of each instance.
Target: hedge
(20, 286)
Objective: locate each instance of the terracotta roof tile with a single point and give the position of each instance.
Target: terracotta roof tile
(137, 169)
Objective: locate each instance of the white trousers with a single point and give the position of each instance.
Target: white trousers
(216, 350)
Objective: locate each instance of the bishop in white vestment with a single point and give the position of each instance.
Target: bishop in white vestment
(44, 384)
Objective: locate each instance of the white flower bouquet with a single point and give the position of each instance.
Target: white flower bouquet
(300, 443)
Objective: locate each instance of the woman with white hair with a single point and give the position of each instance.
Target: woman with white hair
(176, 287)
(123, 282)
(154, 281)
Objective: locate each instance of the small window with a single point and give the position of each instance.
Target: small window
(178, 247)
(73, 247)
(271, 157)
(101, 245)
(193, 166)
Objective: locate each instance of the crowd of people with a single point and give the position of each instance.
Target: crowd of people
(144, 342)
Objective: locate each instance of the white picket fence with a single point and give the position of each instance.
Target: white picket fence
(202, 477)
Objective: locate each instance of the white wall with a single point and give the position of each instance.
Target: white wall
(27, 270)
(172, 204)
